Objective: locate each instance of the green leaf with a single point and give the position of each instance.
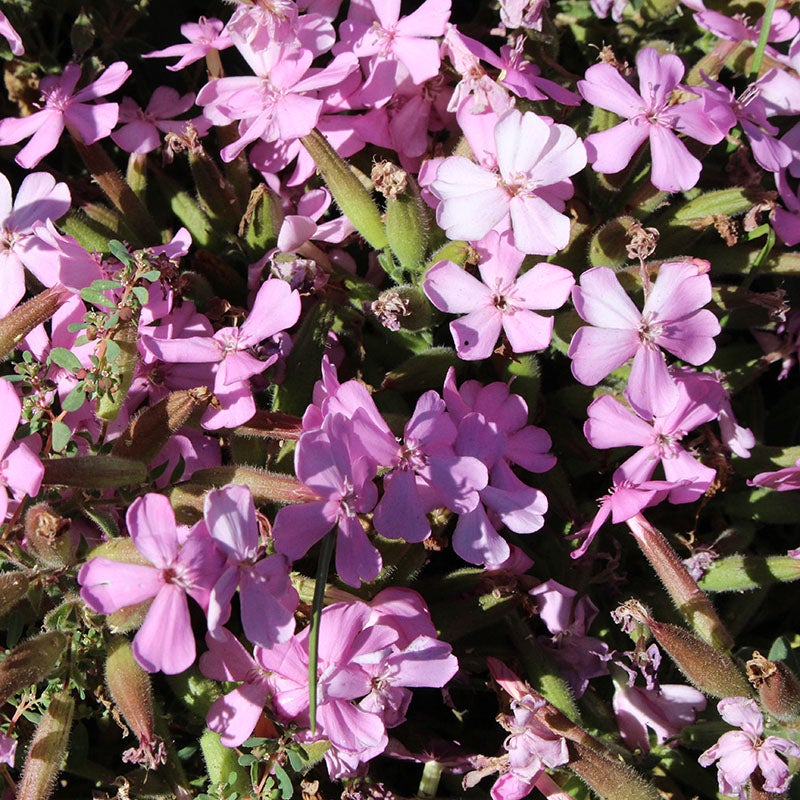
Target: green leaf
(152, 275)
(75, 399)
(112, 351)
(284, 781)
(120, 252)
(141, 294)
(102, 284)
(65, 359)
(61, 436)
(96, 298)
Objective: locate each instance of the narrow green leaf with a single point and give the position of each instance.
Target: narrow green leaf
(120, 252)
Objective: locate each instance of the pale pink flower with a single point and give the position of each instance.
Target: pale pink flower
(204, 36)
(741, 753)
(521, 183)
(672, 318)
(21, 471)
(181, 562)
(141, 129)
(610, 424)
(64, 107)
(14, 42)
(39, 198)
(500, 300)
(395, 45)
(649, 115)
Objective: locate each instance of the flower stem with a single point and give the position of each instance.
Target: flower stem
(323, 567)
(766, 26)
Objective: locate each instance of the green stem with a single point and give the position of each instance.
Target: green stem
(429, 782)
(766, 25)
(323, 567)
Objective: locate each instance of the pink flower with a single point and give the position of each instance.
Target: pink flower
(672, 318)
(492, 426)
(204, 36)
(39, 199)
(278, 102)
(335, 466)
(782, 480)
(647, 116)
(395, 45)
(426, 474)
(15, 43)
(501, 301)
(275, 308)
(268, 599)
(610, 424)
(21, 471)
(141, 130)
(521, 183)
(741, 753)
(181, 562)
(64, 107)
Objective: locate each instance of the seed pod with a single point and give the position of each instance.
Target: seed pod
(13, 586)
(30, 662)
(17, 324)
(49, 537)
(47, 749)
(689, 599)
(347, 190)
(712, 671)
(93, 472)
(777, 687)
(130, 688)
(147, 433)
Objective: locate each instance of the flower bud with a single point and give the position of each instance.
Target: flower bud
(48, 746)
(262, 220)
(49, 537)
(13, 586)
(271, 425)
(30, 662)
(147, 433)
(406, 222)
(350, 194)
(93, 472)
(267, 487)
(130, 688)
(17, 324)
(777, 686)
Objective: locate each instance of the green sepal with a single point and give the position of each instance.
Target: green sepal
(349, 193)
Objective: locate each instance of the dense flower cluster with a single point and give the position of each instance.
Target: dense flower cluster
(331, 408)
